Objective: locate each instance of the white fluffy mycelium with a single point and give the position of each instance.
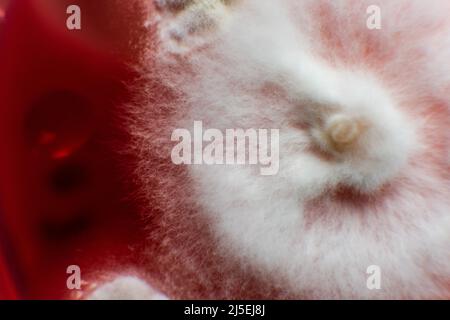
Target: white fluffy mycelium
(364, 159)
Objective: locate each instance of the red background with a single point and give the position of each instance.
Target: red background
(62, 196)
